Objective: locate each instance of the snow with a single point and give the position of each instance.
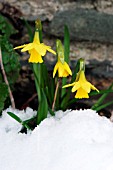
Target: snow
(72, 140)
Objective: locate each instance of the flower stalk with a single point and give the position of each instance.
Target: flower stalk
(55, 95)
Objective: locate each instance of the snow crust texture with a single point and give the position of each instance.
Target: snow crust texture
(72, 140)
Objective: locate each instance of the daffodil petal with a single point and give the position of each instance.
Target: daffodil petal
(55, 69)
(50, 50)
(86, 86)
(67, 68)
(94, 88)
(61, 70)
(65, 74)
(68, 85)
(81, 93)
(40, 49)
(28, 47)
(21, 46)
(75, 87)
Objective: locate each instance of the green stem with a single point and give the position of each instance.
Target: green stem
(63, 92)
(37, 74)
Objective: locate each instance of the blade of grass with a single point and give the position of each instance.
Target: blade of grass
(51, 112)
(43, 108)
(18, 120)
(29, 30)
(100, 92)
(103, 106)
(75, 71)
(101, 99)
(29, 120)
(66, 44)
(66, 55)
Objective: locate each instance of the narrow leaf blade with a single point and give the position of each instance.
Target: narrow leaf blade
(15, 117)
(101, 99)
(18, 120)
(66, 55)
(43, 108)
(103, 106)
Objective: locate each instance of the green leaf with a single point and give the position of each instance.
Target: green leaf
(75, 71)
(1, 106)
(66, 56)
(3, 91)
(101, 99)
(45, 76)
(43, 108)
(10, 61)
(18, 120)
(29, 120)
(66, 44)
(103, 106)
(3, 95)
(5, 27)
(92, 93)
(43, 104)
(51, 112)
(29, 30)
(52, 91)
(15, 117)
(38, 78)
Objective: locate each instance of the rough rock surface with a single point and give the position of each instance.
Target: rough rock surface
(84, 24)
(46, 9)
(90, 23)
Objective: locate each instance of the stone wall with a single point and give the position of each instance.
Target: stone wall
(90, 23)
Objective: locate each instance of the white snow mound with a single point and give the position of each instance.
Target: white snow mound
(72, 140)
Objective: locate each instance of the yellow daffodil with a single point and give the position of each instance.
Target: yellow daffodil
(63, 69)
(36, 49)
(61, 66)
(82, 86)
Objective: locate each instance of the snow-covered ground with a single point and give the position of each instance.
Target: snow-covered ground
(72, 140)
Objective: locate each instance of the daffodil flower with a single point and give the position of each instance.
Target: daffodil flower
(36, 49)
(61, 66)
(82, 86)
(63, 69)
